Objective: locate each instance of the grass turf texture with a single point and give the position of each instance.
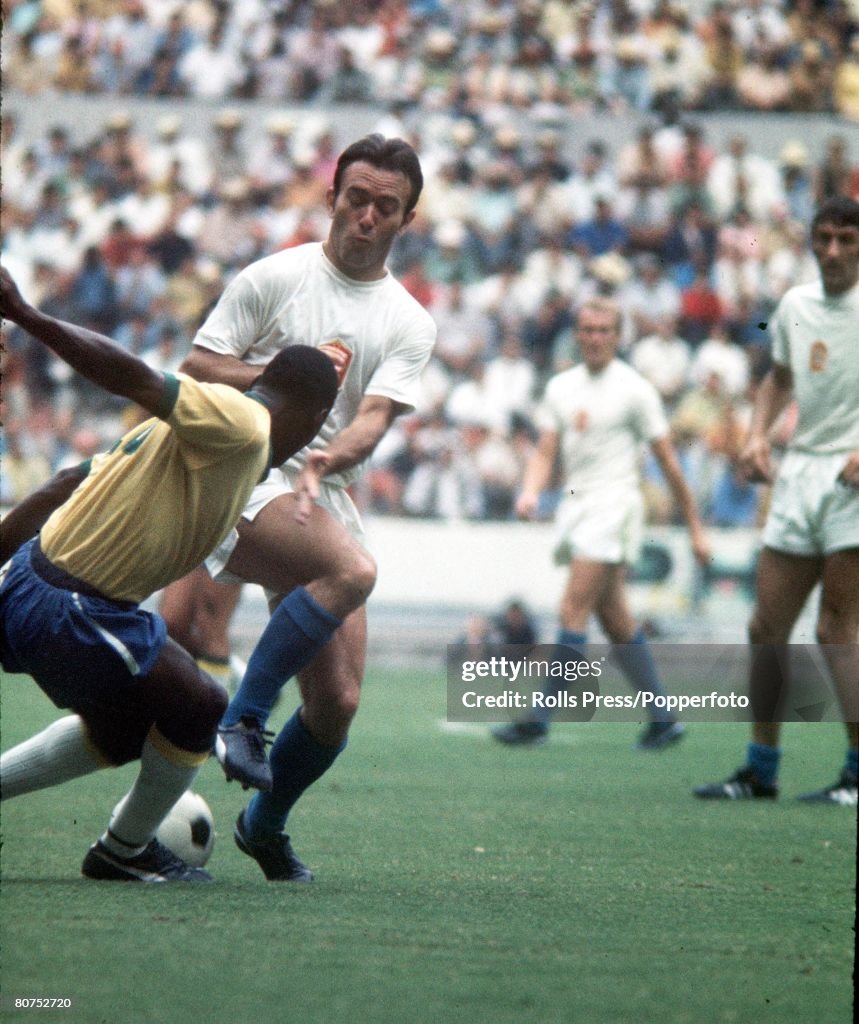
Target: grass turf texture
(457, 881)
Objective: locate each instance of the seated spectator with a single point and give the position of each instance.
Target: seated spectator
(700, 306)
(739, 178)
(845, 89)
(811, 79)
(720, 356)
(348, 84)
(602, 234)
(509, 381)
(665, 359)
(649, 297)
(763, 84)
(690, 244)
(464, 331)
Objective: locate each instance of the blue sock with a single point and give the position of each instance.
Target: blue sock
(297, 629)
(636, 662)
(764, 761)
(555, 685)
(297, 761)
(852, 763)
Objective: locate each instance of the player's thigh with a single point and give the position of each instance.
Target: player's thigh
(175, 695)
(278, 553)
(839, 600)
(783, 584)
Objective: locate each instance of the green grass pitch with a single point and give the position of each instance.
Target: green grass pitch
(457, 881)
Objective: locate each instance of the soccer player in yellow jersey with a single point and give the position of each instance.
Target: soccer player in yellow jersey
(147, 512)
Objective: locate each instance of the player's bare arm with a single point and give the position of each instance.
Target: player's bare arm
(538, 473)
(773, 396)
(216, 368)
(30, 515)
(93, 355)
(352, 446)
(665, 454)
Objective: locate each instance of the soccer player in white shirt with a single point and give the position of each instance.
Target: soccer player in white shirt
(812, 532)
(300, 535)
(597, 415)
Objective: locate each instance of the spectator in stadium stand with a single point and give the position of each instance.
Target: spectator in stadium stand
(796, 182)
(835, 175)
(812, 530)
(811, 76)
(70, 599)
(690, 243)
(301, 536)
(762, 83)
(602, 233)
(664, 359)
(846, 85)
(649, 295)
(700, 306)
(595, 415)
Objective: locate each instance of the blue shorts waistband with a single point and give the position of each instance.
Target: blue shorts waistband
(57, 577)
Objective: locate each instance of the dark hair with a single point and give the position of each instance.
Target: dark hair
(386, 154)
(840, 210)
(305, 374)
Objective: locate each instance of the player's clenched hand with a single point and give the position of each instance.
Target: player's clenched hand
(850, 473)
(307, 484)
(526, 505)
(754, 461)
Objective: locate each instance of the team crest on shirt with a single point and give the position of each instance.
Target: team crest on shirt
(581, 421)
(340, 354)
(818, 357)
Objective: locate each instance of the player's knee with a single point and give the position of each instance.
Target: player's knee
(834, 627)
(356, 578)
(212, 702)
(191, 721)
(762, 631)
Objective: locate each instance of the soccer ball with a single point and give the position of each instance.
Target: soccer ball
(188, 830)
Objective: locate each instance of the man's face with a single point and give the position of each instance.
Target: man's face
(836, 250)
(366, 215)
(597, 335)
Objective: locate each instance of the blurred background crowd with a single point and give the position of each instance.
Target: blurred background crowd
(134, 223)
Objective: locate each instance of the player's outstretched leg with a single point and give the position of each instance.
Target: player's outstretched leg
(299, 627)
(186, 706)
(58, 753)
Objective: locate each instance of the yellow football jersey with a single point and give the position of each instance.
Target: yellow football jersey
(155, 505)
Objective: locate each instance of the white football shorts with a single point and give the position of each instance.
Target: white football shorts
(812, 512)
(332, 498)
(604, 526)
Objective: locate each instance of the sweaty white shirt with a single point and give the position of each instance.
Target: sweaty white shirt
(297, 297)
(818, 338)
(602, 420)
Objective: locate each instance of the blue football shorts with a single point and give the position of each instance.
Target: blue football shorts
(84, 650)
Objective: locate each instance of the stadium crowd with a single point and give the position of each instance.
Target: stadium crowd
(136, 233)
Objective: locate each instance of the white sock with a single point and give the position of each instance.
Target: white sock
(61, 752)
(166, 771)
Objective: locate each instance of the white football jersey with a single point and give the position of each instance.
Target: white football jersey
(817, 336)
(602, 420)
(298, 297)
